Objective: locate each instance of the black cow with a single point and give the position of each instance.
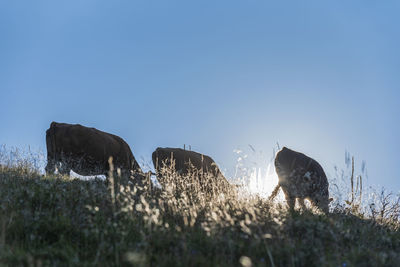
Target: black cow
(301, 177)
(86, 151)
(179, 162)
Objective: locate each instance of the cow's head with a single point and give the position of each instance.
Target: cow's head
(284, 162)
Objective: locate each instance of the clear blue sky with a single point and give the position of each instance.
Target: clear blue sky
(315, 76)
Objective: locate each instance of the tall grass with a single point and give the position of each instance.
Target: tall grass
(58, 220)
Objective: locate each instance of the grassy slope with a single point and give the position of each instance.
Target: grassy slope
(58, 221)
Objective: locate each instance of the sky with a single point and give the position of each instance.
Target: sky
(320, 77)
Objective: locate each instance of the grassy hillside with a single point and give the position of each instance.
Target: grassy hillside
(53, 220)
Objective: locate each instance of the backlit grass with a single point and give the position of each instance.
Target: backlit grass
(57, 220)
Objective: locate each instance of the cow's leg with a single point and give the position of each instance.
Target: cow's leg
(51, 155)
(291, 201)
(50, 167)
(113, 180)
(64, 168)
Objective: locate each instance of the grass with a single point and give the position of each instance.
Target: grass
(57, 220)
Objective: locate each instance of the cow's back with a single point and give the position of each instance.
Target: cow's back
(182, 158)
(184, 162)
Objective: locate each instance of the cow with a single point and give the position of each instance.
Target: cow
(183, 163)
(87, 151)
(301, 177)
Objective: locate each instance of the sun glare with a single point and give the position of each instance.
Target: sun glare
(263, 180)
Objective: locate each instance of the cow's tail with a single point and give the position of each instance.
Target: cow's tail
(274, 193)
(51, 148)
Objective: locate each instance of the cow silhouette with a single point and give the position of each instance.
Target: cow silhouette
(177, 163)
(86, 151)
(301, 177)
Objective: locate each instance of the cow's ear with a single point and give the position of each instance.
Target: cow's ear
(331, 199)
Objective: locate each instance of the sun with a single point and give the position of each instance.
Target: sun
(262, 181)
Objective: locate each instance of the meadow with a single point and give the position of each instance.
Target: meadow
(61, 221)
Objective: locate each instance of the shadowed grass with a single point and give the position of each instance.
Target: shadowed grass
(56, 220)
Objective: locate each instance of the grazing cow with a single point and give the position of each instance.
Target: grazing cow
(86, 151)
(184, 162)
(301, 177)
